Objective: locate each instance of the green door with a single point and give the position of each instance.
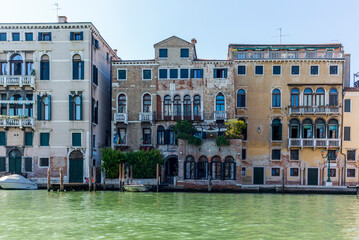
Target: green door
(15, 165)
(258, 175)
(312, 176)
(76, 170)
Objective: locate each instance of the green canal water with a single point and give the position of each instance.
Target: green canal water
(114, 215)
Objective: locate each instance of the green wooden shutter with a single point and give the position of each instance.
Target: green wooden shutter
(2, 138)
(82, 70)
(214, 73)
(40, 36)
(80, 107)
(71, 110)
(71, 36)
(76, 139)
(39, 107)
(225, 73)
(28, 138)
(44, 139)
(41, 70)
(235, 171)
(82, 35)
(280, 131)
(49, 36)
(192, 75)
(347, 105)
(201, 73)
(49, 96)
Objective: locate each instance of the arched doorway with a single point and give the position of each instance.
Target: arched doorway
(15, 161)
(76, 167)
(171, 169)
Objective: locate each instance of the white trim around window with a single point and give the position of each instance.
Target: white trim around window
(313, 66)
(337, 70)
(117, 74)
(38, 161)
(271, 154)
(280, 67)
(255, 70)
(291, 70)
(281, 98)
(245, 69)
(142, 74)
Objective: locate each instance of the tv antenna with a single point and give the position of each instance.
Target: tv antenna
(57, 8)
(281, 35)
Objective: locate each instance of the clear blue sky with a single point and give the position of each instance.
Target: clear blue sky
(133, 26)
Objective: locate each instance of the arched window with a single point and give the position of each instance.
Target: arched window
(294, 96)
(333, 97)
(241, 98)
(160, 135)
(146, 103)
(122, 103)
(45, 107)
(276, 98)
(202, 168)
(319, 97)
(16, 108)
(307, 128)
(333, 128)
(220, 103)
(308, 97)
(319, 128)
(16, 63)
(78, 68)
(294, 128)
(28, 106)
(177, 107)
(229, 169)
(167, 108)
(197, 108)
(216, 168)
(189, 168)
(170, 136)
(45, 67)
(276, 130)
(187, 107)
(244, 133)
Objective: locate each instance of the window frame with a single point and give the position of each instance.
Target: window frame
(277, 94)
(173, 70)
(290, 155)
(255, 70)
(143, 136)
(245, 70)
(291, 70)
(73, 134)
(43, 157)
(280, 154)
(280, 70)
(351, 150)
(272, 168)
(121, 69)
(15, 34)
(290, 172)
(32, 164)
(244, 105)
(224, 72)
(180, 73)
(143, 71)
(349, 169)
(345, 137)
(119, 136)
(3, 34)
(310, 70)
(159, 53)
(330, 74)
(244, 150)
(181, 53)
(159, 73)
(41, 134)
(350, 105)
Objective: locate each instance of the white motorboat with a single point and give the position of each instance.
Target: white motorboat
(18, 182)
(137, 188)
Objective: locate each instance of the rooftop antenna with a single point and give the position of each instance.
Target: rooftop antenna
(281, 35)
(57, 8)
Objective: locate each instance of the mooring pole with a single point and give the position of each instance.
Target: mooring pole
(123, 176)
(119, 176)
(61, 180)
(131, 174)
(157, 175)
(90, 177)
(94, 177)
(282, 180)
(48, 180)
(104, 179)
(209, 183)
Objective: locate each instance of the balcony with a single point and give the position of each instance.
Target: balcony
(287, 55)
(220, 116)
(17, 81)
(120, 118)
(17, 122)
(169, 116)
(325, 110)
(313, 142)
(146, 116)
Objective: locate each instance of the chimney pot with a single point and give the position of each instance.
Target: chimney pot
(62, 19)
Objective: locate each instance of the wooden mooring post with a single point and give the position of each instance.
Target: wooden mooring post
(123, 177)
(157, 175)
(104, 179)
(131, 174)
(94, 177)
(61, 180)
(119, 176)
(209, 183)
(48, 180)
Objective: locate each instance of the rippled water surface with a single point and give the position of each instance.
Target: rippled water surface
(114, 215)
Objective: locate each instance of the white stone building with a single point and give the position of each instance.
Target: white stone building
(55, 89)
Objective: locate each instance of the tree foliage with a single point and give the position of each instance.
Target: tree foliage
(184, 130)
(234, 128)
(143, 162)
(222, 141)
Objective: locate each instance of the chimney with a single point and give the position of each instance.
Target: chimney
(115, 50)
(193, 41)
(62, 19)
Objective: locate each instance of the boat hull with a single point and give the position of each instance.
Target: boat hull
(16, 182)
(138, 188)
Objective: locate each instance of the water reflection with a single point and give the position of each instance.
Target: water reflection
(115, 215)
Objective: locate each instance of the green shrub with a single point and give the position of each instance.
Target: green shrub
(234, 128)
(185, 130)
(222, 141)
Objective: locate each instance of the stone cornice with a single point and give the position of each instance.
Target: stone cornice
(45, 25)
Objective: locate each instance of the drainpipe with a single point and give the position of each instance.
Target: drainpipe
(90, 101)
(341, 132)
